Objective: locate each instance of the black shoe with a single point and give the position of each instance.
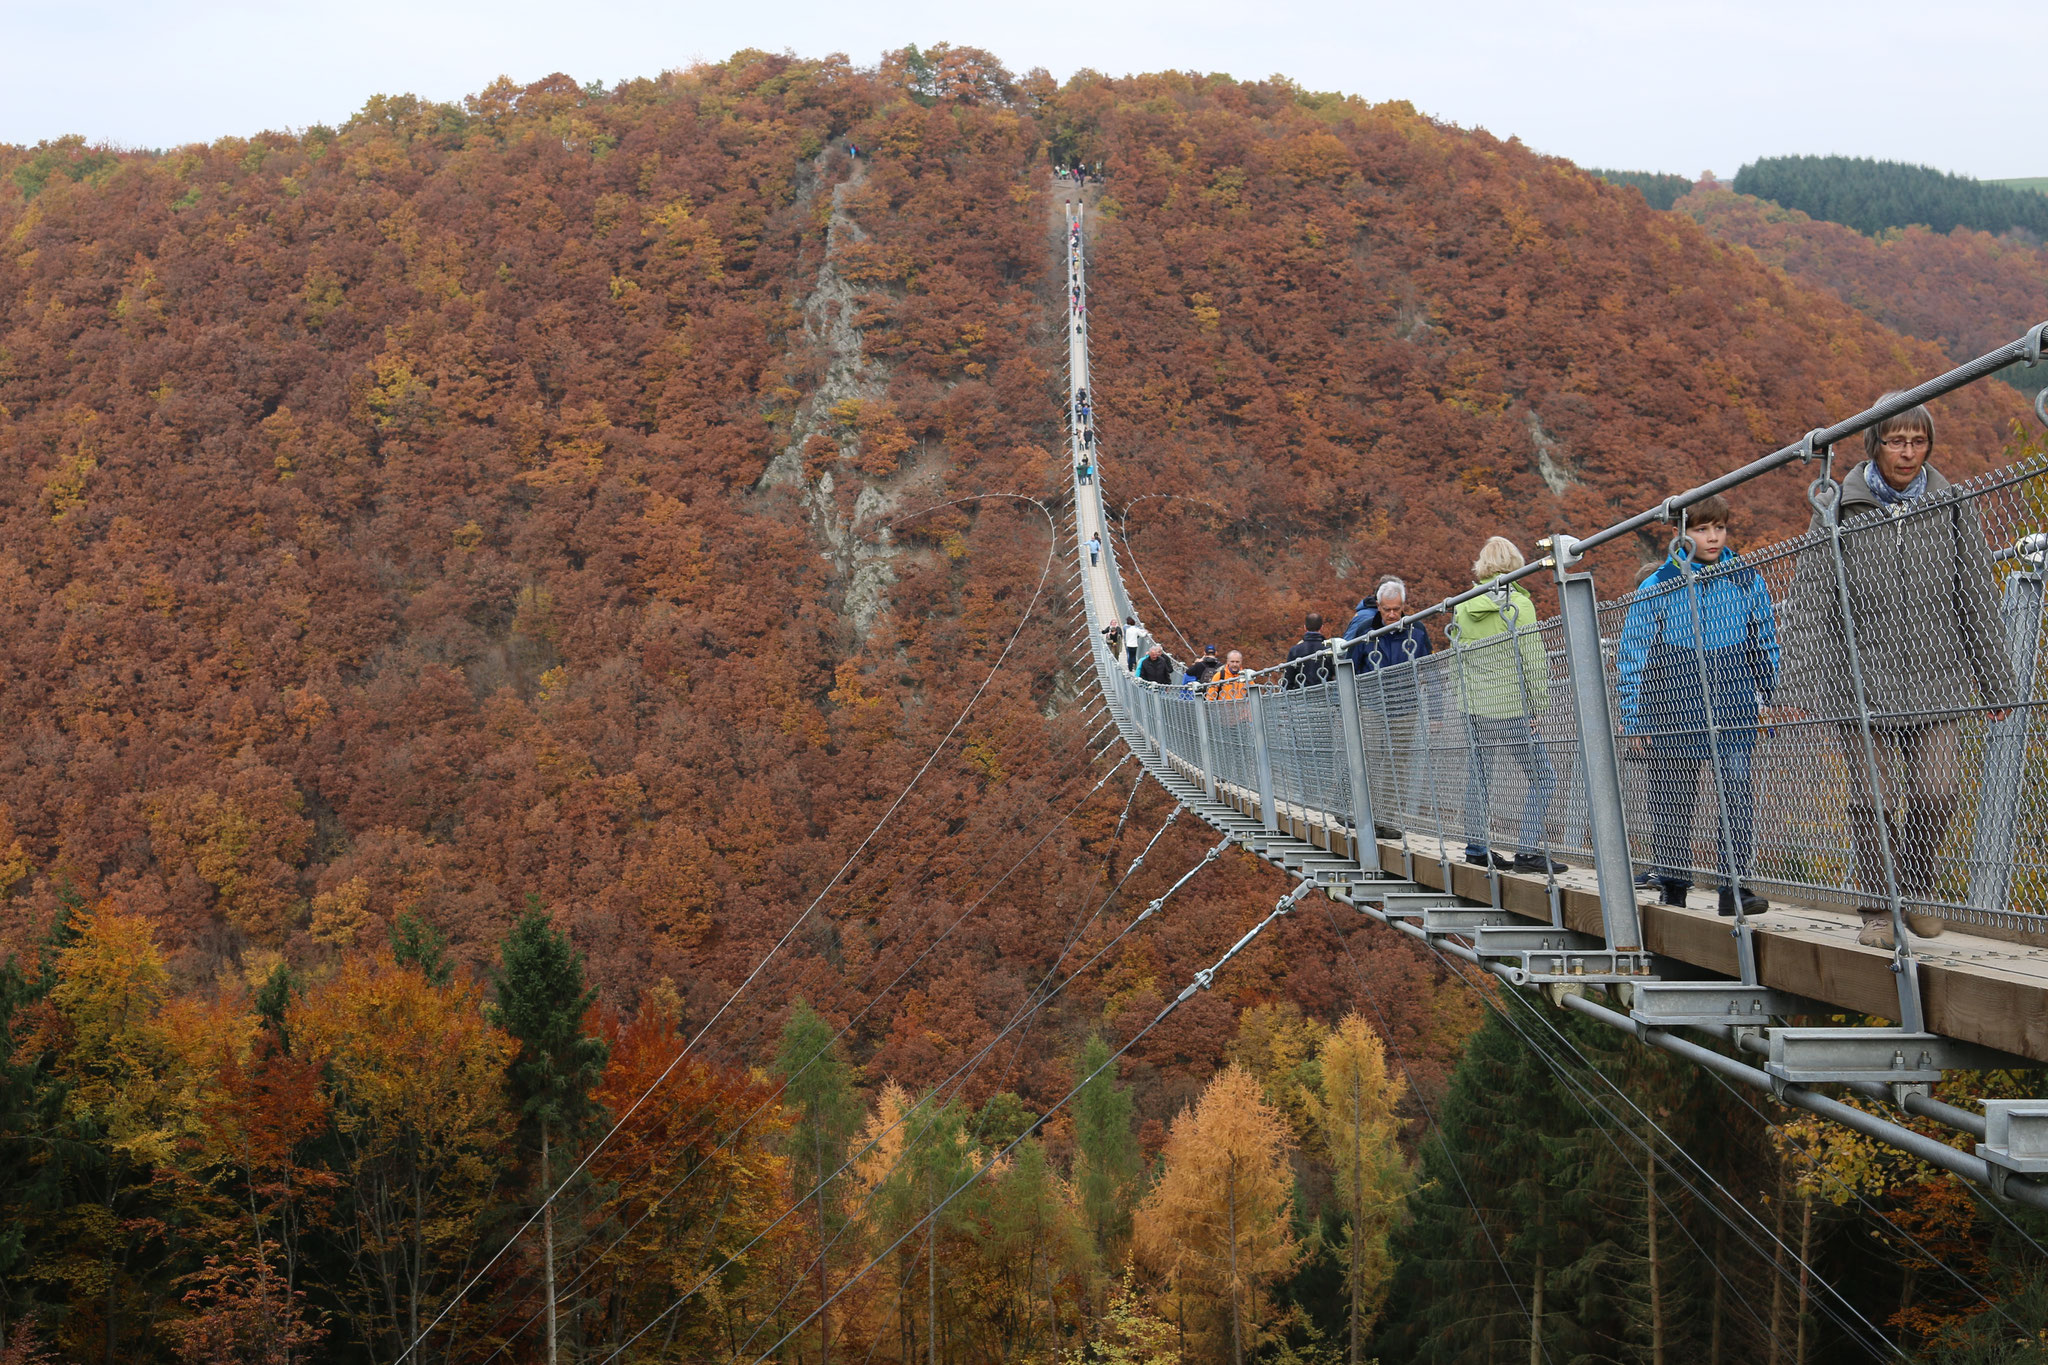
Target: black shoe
(1674, 892)
(1752, 904)
(1488, 858)
(1536, 862)
(1647, 879)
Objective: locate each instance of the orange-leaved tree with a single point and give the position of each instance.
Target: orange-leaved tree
(694, 1175)
(1217, 1224)
(416, 1078)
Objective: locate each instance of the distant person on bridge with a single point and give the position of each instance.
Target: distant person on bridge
(1928, 638)
(1308, 662)
(1203, 669)
(1401, 692)
(1229, 683)
(1094, 551)
(1135, 639)
(1114, 634)
(1503, 684)
(1157, 668)
(1679, 647)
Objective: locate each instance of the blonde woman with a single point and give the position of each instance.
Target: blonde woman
(1503, 685)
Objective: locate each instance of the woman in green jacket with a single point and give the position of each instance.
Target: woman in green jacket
(1503, 685)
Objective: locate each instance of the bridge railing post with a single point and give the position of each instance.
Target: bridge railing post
(1204, 746)
(1599, 759)
(1996, 832)
(1365, 834)
(1262, 755)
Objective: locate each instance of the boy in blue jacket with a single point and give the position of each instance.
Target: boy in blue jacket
(1700, 631)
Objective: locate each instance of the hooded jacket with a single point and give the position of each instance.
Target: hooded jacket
(1721, 626)
(1411, 642)
(1500, 665)
(1924, 601)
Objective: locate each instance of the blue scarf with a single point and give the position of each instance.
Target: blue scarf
(1886, 495)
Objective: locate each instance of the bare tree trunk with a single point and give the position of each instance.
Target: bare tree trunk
(1720, 1293)
(1236, 1319)
(1536, 1317)
(1778, 1264)
(547, 1234)
(1357, 1209)
(931, 1278)
(1805, 1249)
(824, 1323)
(1656, 1285)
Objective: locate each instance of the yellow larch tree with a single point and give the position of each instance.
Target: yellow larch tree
(1218, 1225)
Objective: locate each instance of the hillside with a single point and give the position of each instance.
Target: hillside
(565, 506)
(1965, 290)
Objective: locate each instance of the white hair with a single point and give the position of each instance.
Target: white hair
(1390, 585)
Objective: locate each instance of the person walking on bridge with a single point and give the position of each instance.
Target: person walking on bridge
(1308, 662)
(1157, 668)
(1136, 637)
(1699, 643)
(1398, 690)
(1094, 550)
(1229, 683)
(1928, 639)
(1203, 669)
(1503, 685)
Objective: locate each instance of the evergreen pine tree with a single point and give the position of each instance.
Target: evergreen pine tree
(817, 1088)
(1108, 1167)
(542, 1000)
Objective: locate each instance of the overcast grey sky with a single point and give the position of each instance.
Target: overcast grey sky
(1705, 85)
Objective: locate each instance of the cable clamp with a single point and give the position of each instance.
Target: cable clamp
(2035, 335)
(1807, 450)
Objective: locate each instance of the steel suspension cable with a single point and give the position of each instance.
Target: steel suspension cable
(1201, 982)
(944, 741)
(834, 1040)
(957, 1081)
(1587, 1101)
(1818, 1168)
(1450, 1158)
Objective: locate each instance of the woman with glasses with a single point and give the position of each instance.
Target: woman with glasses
(1930, 645)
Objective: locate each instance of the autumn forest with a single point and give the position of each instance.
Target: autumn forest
(551, 809)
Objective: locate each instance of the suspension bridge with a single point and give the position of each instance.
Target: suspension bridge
(1374, 785)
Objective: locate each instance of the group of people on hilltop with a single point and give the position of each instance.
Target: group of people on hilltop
(1698, 666)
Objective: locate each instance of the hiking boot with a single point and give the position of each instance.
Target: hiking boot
(1927, 926)
(1752, 904)
(1877, 929)
(1486, 857)
(1673, 892)
(1536, 862)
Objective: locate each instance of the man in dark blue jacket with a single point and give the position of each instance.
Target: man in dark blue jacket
(1385, 607)
(1308, 662)
(1396, 697)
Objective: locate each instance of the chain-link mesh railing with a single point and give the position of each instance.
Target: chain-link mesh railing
(1757, 751)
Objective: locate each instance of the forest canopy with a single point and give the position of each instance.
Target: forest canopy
(1872, 196)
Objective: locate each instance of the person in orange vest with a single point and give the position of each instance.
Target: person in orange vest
(1229, 683)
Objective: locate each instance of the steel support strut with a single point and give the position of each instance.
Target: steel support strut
(1269, 810)
(1364, 835)
(1600, 764)
(1203, 746)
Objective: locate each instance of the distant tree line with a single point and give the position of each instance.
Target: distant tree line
(1872, 196)
(1659, 189)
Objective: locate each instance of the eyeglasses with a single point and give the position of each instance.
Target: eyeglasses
(1905, 443)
